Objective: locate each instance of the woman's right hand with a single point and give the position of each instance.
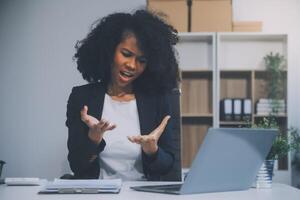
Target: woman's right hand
(96, 127)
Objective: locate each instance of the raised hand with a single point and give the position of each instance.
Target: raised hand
(96, 127)
(149, 142)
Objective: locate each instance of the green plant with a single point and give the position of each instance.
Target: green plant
(1, 166)
(296, 146)
(275, 66)
(284, 142)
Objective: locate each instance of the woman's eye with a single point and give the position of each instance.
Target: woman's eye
(142, 60)
(126, 53)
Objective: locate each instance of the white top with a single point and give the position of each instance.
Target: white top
(121, 158)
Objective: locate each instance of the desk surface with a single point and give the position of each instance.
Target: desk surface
(278, 192)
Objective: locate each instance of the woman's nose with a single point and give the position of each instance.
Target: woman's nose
(131, 64)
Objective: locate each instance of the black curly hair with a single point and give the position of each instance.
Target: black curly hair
(156, 39)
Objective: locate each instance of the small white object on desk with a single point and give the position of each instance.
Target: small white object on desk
(89, 186)
(22, 181)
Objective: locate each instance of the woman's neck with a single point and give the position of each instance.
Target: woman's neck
(120, 94)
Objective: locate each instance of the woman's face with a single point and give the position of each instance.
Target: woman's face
(129, 63)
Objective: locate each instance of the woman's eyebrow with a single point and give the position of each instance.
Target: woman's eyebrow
(124, 48)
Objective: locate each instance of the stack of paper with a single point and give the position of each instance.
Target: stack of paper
(88, 186)
(271, 106)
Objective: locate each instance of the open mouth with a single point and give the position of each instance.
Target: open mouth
(126, 74)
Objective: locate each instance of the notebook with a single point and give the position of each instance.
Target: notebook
(227, 160)
(84, 186)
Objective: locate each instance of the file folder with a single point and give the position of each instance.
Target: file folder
(237, 109)
(247, 109)
(226, 109)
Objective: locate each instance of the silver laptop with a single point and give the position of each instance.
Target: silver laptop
(228, 160)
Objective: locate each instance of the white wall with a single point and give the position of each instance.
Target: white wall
(37, 39)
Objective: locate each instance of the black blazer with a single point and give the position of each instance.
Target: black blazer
(151, 110)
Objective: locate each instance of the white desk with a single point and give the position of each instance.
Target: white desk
(278, 192)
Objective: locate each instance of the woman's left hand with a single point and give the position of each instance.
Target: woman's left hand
(149, 142)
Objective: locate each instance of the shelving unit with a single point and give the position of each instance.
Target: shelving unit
(223, 65)
(197, 93)
(242, 72)
(197, 61)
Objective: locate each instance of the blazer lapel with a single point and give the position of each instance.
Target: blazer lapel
(147, 112)
(96, 101)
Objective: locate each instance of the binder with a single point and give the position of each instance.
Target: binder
(247, 110)
(226, 109)
(237, 109)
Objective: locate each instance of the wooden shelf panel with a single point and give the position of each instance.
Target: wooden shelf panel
(235, 71)
(235, 84)
(197, 95)
(197, 115)
(193, 133)
(277, 116)
(235, 123)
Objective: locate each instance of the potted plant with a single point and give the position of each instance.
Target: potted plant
(1, 166)
(282, 145)
(284, 142)
(296, 162)
(296, 147)
(275, 65)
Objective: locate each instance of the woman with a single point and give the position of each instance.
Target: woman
(119, 124)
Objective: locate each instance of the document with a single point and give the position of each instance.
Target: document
(86, 186)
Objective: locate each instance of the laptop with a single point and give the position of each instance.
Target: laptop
(228, 160)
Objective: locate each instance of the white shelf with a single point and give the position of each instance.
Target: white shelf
(253, 36)
(197, 70)
(246, 50)
(196, 50)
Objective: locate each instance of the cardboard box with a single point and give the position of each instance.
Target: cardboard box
(247, 26)
(176, 11)
(211, 16)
